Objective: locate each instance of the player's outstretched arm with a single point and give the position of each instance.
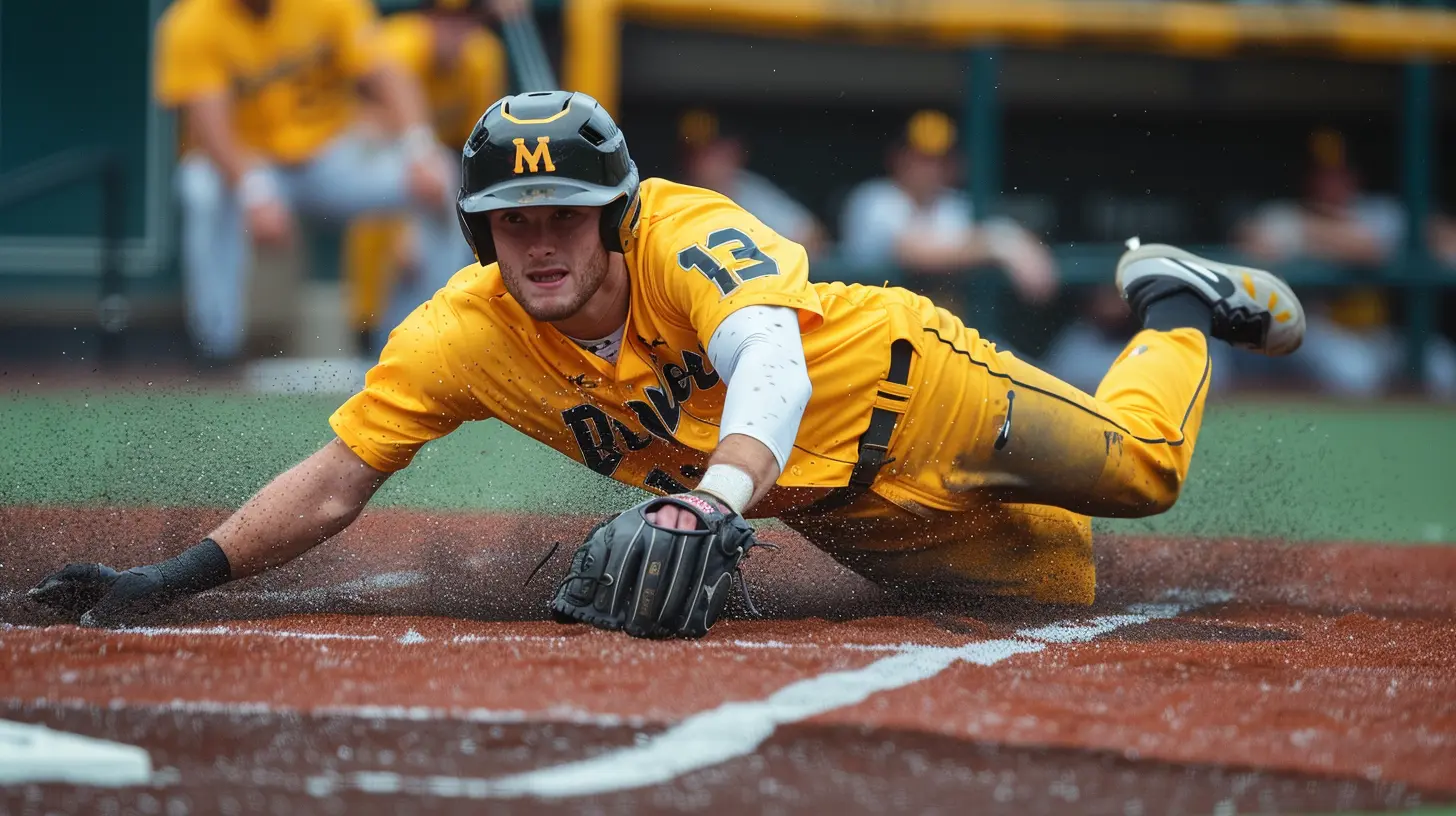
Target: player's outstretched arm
(302, 507)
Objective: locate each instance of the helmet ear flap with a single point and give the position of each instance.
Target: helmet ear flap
(619, 223)
(620, 218)
(480, 240)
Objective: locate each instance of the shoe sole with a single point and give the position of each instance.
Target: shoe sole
(1284, 337)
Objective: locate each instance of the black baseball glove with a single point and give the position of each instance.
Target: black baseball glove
(657, 582)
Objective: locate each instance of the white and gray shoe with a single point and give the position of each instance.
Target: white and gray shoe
(1252, 309)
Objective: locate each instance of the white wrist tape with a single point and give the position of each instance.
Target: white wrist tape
(729, 485)
(419, 141)
(1002, 236)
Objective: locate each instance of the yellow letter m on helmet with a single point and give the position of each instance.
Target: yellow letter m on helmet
(533, 157)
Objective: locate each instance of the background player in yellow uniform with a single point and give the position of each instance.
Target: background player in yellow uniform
(662, 336)
(269, 90)
(451, 52)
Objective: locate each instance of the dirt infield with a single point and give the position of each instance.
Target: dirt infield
(404, 667)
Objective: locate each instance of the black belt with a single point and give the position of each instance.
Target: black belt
(874, 443)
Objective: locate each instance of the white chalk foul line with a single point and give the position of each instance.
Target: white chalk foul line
(402, 579)
(735, 643)
(214, 631)
(737, 729)
(411, 638)
(355, 588)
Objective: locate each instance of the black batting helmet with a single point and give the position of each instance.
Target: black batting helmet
(542, 149)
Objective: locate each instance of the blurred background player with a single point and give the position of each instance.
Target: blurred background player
(1350, 348)
(449, 49)
(917, 219)
(1082, 351)
(269, 92)
(716, 159)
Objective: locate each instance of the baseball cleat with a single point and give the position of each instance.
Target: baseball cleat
(1252, 309)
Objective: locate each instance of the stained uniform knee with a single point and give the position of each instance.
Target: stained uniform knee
(1155, 491)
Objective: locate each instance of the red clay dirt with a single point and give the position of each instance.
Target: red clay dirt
(410, 646)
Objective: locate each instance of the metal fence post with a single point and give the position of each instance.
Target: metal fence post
(1418, 167)
(983, 129)
(982, 146)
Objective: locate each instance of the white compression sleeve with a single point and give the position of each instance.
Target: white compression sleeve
(758, 352)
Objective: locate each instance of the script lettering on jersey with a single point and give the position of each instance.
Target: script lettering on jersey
(598, 436)
(602, 439)
(661, 412)
(535, 156)
(315, 61)
(593, 431)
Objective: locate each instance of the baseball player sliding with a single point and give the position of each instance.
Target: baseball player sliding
(662, 336)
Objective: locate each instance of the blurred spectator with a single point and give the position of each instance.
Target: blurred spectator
(915, 219)
(1350, 348)
(449, 49)
(718, 161)
(268, 93)
(1442, 237)
(1082, 352)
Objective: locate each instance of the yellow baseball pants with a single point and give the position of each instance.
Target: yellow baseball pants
(997, 467)
(371, 249)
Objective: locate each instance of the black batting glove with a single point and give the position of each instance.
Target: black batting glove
(104, 597)
(76, 588)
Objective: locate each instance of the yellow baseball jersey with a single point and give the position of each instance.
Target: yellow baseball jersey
(457, 90)
(652, 419)
(291, 74)
(1360, 309)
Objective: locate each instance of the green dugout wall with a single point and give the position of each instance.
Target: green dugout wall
(75, 76)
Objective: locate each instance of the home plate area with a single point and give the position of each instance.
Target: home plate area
(1212, 677)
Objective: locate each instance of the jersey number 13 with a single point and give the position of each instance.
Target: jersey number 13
(696, 257)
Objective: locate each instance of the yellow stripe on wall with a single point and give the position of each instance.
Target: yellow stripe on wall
(1194, 28)
(592, 37)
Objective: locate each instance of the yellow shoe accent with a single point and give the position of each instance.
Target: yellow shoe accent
(1273, 300)
(1249, 285)
(1282, 317)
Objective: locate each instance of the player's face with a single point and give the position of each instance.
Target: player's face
(551, 258)
(716, 165)
(921, 175)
